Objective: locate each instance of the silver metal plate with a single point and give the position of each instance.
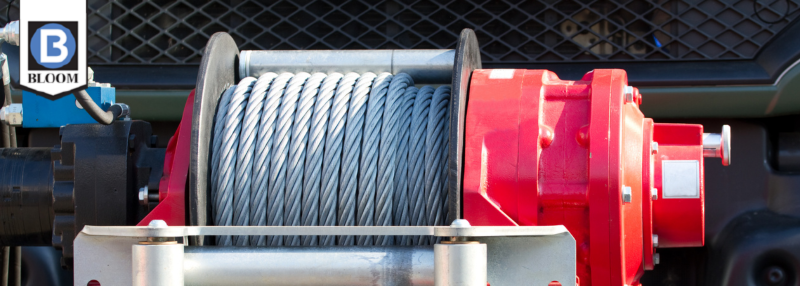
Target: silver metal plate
(523, 255)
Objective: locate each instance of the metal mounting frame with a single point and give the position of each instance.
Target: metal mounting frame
(533, 255)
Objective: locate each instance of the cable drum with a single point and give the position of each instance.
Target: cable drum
(331, 150)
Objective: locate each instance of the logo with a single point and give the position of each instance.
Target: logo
(53, 47)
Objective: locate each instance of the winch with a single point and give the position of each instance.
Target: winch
(388, 167)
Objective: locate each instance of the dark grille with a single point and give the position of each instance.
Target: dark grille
(174, 32)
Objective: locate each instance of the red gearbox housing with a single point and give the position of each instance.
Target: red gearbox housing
(545, 151)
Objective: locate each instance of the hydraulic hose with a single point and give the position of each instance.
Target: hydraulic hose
(102, 117)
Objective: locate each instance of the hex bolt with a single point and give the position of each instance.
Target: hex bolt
(143, 196)
(629, 94)
(654, 193)
(654, 147)
(627, 194)
(656, 258)
(655, 240)
(775, 275)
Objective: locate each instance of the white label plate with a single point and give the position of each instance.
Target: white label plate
(501, 74)
(680, 179)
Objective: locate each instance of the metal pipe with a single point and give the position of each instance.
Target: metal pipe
(460, 263)
(158, 263)
(424, 66)
(331, 265)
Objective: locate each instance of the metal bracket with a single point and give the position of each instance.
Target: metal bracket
(525, 255)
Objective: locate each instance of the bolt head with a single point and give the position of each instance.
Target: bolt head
(627, 194)
(157, 223)
(655, 240)
(460, 223)
(654, 193)
(656, 258)
(654, 147)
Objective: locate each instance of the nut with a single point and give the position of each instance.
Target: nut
(12, 114)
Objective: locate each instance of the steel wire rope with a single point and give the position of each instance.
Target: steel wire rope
(301, 149)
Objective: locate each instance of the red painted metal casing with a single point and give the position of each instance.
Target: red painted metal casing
(545, 151)
(679, 215)
(172, 187)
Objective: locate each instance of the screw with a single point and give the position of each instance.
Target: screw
(775, 275)
(656, 258)
(627, 194)
(654, 147)
(654, 193)
(655, 240)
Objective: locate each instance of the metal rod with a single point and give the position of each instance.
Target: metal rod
(424, 66)
(330, 265)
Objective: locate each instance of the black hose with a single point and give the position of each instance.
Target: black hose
(102, 117)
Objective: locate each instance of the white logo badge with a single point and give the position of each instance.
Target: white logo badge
(53, 46)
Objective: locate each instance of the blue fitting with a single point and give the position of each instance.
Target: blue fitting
(41, 112)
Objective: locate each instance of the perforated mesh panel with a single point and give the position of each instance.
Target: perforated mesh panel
(174, 32)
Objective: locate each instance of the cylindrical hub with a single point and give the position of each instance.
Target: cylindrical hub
(393, 265)
(26, 189)
(158, 263)
(539, 150)
(460, 263)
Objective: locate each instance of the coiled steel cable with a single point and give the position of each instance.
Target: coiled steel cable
(245, 156)
(329, 150)
(263, 152)
(416, 160)
(230, 142)
(314, 155)
(331, 165)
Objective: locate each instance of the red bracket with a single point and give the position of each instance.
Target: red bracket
(172, 187)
